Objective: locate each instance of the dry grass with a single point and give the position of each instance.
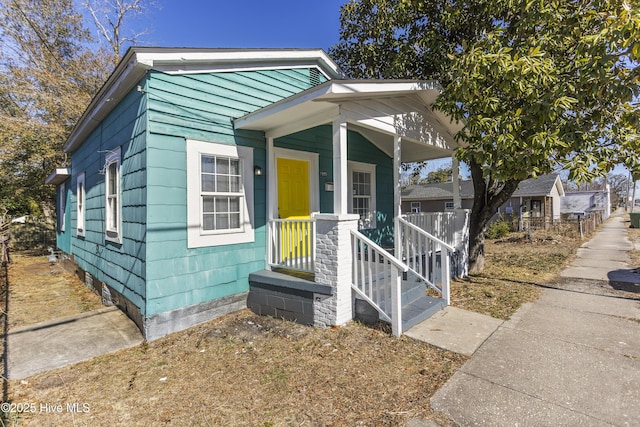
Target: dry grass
(243, 369)
(248, 370)
(237, 370)
(40, 291)
(514, 267)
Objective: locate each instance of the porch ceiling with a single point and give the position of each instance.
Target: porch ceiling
(378, 109)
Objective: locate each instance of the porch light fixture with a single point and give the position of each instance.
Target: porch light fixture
(257, 170)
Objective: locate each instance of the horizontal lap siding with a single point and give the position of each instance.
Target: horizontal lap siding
(202, 107)
(121, 266)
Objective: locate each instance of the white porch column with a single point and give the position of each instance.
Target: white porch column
(340, 179)
(333, 267)
(397, 189)
(271, 180)
(455, 170)
(271, 198)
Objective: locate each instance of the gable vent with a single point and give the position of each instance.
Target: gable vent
(314, 77)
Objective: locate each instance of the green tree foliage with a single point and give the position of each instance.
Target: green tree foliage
(48, 77)
(537, 84)
(418, 173)
(50, 68)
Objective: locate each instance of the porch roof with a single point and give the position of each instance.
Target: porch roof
(378, 109)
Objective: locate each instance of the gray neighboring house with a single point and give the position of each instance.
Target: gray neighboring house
(435, 197)
(537, 200)
(588, 201)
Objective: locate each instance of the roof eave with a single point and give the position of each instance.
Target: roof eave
(126, 75)
(58, 176)
(139, 60)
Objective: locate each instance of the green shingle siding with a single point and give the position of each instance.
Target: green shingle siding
(121, 266)
(202, 107)
(152, 266)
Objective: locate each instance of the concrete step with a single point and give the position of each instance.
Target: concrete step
(420, 309)
(412, 289)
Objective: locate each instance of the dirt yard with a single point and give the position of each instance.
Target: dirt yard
(41, 291)
(243, 369)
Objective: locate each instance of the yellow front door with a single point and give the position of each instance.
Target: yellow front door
(293, 188)
(293, 205)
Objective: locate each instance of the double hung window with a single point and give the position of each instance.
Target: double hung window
(362, 181)
(219, 194)
(80, 201)
(112, 195)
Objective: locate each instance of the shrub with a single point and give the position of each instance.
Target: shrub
(498, 229)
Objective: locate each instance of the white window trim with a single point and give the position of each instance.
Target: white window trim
(367, 168)
(449, 206)
(81, 208)
(196, 236)
(113, 234)
(62, 205)
(416, 205)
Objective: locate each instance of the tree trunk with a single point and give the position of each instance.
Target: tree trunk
(489, 195)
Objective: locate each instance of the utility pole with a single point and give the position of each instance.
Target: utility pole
(626, 202)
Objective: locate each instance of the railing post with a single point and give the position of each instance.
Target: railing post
(396, 302)
(270, 232)
(333, 267)
(446, 276)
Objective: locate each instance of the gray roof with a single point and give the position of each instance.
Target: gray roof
(541, 186)
(441, 190)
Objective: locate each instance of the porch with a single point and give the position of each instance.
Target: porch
(402, 290)
(329, 217)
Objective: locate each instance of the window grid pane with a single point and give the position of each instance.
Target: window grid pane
(362, 196)
(220, 178)
(221, 212)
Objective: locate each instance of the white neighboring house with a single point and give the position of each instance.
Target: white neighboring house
(587, 201)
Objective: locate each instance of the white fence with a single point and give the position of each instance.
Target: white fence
(451, 228)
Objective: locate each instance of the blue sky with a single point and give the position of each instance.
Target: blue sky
(245, 23)
(249, 23)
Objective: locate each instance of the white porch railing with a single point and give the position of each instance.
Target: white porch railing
(426, 256)
(450, 227)
(377, 278)
(292, 244)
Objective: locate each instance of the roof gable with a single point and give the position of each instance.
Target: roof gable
(377, 109)
(540, 186)
(139, 60)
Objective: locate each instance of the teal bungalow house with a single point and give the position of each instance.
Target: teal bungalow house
(204, 181)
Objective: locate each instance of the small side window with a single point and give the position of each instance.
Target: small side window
(80, 200)
(112, 196)
(62, 206)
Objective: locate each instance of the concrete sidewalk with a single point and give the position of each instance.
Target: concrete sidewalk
(61, 342)
(570, 358)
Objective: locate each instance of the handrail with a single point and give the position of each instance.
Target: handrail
(291, 244)
(377, 278)
(421, 251)
(431, 236)
(395, 261)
